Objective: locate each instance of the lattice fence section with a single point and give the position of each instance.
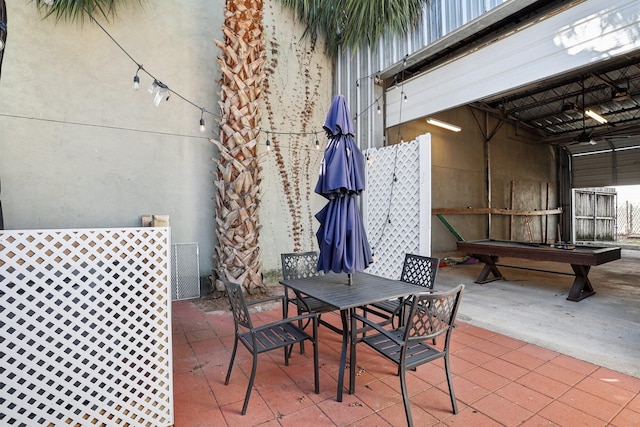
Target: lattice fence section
(397, 204)
(85, 328)
(185, 271)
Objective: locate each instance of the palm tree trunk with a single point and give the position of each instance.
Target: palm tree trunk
(238, 169)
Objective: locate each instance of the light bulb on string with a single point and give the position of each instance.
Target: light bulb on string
(158, 98)
(378, 107)
(153, 87)
(202, 126)
(163, 93)
(405, 97)
(136, 79)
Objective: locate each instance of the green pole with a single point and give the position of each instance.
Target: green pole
(450, 227)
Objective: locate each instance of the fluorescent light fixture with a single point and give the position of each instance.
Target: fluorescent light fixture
(595, 116)
(444, 125)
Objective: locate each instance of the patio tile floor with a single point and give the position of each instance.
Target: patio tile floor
(499, 381)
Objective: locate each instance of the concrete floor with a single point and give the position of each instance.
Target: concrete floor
(603, 329)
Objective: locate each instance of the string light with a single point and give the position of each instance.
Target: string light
(375, 77)
(202, 126)
(153, 87)
(136, 79)
(395, 79)
(387, 221)
(378, 107)
(163, 91)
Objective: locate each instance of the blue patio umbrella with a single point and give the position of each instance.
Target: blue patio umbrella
(341, 236)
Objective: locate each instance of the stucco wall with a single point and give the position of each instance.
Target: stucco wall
(80, 148)
(297, 98)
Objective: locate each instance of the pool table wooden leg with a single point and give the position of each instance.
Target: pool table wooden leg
(581, 287)
(489, 268)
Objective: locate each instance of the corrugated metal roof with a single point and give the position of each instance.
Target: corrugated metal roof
(556, 108)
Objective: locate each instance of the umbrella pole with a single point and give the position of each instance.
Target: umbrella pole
(349, 275)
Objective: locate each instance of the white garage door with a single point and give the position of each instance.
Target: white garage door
(589, 32)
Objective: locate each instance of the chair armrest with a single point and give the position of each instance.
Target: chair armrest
(378, 328)
(313, 316)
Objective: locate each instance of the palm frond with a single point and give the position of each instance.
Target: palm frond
(74, 10)
(355, 23)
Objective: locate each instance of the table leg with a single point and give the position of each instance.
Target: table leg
(581, 287)
(343, 353)
(489, 268)
(352, 353)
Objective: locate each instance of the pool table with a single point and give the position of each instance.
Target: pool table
(581, 259)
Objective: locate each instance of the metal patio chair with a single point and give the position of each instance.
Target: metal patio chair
(259, 339)
(298, 265)
(418, 270)
(431, 315)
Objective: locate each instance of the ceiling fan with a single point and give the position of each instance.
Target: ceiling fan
(585, 138)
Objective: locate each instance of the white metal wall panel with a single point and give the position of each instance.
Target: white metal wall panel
(397, 204)
(356, 71)
(85, 328)
(590, 31)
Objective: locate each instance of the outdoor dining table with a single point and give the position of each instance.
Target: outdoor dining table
(335, 290)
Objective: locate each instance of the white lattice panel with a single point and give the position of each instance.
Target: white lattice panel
(85, 328)
(398, 204)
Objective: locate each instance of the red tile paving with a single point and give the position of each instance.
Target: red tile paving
(499, 381)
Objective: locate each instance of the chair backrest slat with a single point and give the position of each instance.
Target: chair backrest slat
(420, 270)
(433, 314)
(299, 265)
(238, 304)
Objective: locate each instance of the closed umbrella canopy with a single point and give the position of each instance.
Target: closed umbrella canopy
(341, 236)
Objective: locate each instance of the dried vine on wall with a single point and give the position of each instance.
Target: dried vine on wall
(294, 169)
